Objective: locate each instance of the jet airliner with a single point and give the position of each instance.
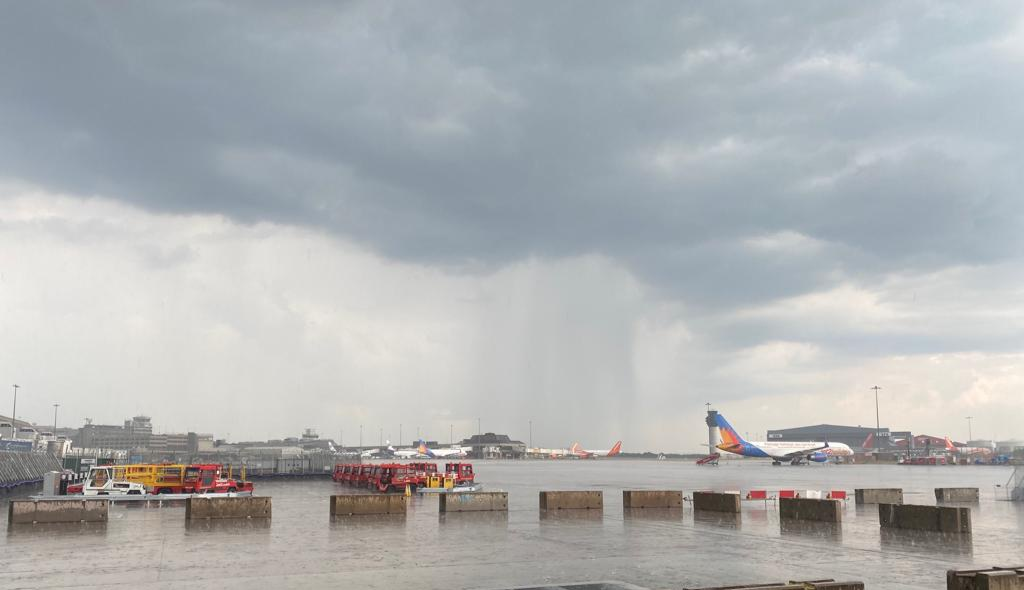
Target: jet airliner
(582, 453)
(778, 451)
(452, 453)
(965, 450)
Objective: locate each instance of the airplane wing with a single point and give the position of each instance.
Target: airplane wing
(801, 452)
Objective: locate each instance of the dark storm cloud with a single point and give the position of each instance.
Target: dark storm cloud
(670, 138)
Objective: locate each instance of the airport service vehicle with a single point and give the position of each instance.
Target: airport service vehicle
(462, 473)
(361, 476)
(391, 477)
(204, 478)
(103, 481)
(343, 472)
(582, 453)
(778, 451)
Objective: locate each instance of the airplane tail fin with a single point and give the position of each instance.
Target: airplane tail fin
(869, 442)
(575, 449)
(616, 449)
(949, 445)
(423, 450)
(727, 432)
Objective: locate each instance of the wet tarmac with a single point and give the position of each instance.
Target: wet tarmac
(301, 548)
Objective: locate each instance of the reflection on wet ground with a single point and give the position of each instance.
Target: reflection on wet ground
(830, 532)
(926, 542)
(303, 547)
(652, 514)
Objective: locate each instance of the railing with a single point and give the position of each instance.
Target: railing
(1015, 485)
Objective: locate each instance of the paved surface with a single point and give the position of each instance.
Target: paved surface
(301, 548)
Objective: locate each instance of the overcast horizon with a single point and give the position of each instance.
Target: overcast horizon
(249, 219)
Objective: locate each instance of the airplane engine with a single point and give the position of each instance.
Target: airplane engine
(817, 457)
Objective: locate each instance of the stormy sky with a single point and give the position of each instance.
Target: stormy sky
(247, 219)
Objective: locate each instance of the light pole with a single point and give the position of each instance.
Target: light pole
(877, 422)
(970, 435)
(14, 412)
(55, 406)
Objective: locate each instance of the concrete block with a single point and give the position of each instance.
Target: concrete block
(811, 509)
(761, 586)
(956, 495)
(473, 502)
(716, 502)
(32, 511)
(942, 519)
(652, 499)
(986, 579)
(878, 496)
(217, 508)
(583, 500)
(363, 504)
(792, 585)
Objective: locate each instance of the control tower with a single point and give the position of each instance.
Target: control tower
(712, 422)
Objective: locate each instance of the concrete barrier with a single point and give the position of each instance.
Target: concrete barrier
(363, 504)
(986, 579)
(588, 500)
(652, 499)
(957, 495)
(473, 502)
(810, 509)
(878, 496)
(716, 502)
(942, 519)
(792, 585)
(32, 511)
(218, 508)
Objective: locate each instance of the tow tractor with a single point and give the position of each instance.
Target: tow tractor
(103, 481)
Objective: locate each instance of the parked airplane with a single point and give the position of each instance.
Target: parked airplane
(778, 451)
(408, 454)
(966, 450)
(582, 453)
(380, 453)
(452, 453)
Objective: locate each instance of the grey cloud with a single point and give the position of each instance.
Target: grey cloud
(661, 136)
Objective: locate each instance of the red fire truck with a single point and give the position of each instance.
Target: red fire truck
(462, 472)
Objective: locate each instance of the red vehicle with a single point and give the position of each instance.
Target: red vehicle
(207, 478)
(392, 477)
(462, 472)
(424, 469)
(202, 479)
(361, 476)
(339, 472)
(343, 472)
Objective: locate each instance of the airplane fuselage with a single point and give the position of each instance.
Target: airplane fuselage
(779, 450)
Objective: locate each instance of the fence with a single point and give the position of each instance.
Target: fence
(1015, 485)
